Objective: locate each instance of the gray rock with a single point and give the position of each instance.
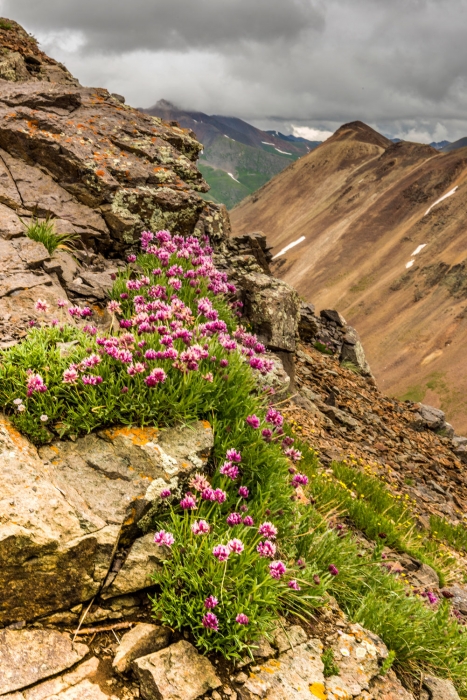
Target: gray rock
(458, 595)
(53, 553)
(289, 638)
(429, 417)
(66, 266)
(340, 416)
(277, 378)
(143, 560)
(118, 474)
(440, 688)
(307, 325)
(335, 316)
(32, 253)
(354, 353)
(22, 280)
(273, 309)
(28, 656)
(296, 674)
(175, 673)
(142, 640)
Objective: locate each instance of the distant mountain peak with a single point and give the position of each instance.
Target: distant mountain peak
(359, 131)
(164, 104)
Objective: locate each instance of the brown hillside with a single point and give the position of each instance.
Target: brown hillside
(361, 202)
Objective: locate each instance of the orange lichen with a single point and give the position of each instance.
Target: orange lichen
(138, 436)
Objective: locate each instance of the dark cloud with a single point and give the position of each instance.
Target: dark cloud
(115, 26)
(401, 66)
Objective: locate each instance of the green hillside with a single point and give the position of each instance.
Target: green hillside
(251, 166)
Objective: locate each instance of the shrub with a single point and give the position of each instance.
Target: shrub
(44, 232)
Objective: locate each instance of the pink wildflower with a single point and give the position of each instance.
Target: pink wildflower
(35, 383)
(209, 377)
(61, 303)
(70, 375)
(41, 305)
(299, 480)
(165, 493)
(333, 570)
(220, 496)
(91, 379)
(230, 470)
(200, 527)
(294, 584)
(189, 502)
(211, 602)
(234, 519)
(266, 549)
(243, 492)
(233, 455)
(267, 529)
(293, 454)
(136, 368)
(253, 421)
(277, 569)
(114, 307)
(198, 482)
(156, 376)
(235, 546)
(210, 621)
(164, 538)
(221, 552)
(242, 619)
(248, 521)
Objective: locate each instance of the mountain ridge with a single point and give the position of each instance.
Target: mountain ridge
(371, 207)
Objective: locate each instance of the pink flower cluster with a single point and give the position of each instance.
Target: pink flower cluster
(164, 538)
(34, 383)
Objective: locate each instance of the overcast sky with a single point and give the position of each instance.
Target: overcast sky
(399, 65)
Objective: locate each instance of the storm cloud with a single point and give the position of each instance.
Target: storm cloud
(400, 66)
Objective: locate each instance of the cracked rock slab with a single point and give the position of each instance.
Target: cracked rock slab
(28, 656)
(140, 641)
(175, 673)
(119, 473)
(143, 559)
(297, 674)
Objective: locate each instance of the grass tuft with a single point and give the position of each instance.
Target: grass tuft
(44, 232)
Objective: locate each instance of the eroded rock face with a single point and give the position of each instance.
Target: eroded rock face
(28, 656)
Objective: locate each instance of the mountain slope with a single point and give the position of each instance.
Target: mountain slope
(460, 143)
(378, 248)
(237, 157)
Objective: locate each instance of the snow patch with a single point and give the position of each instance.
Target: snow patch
(418, 249)
(234, 178)
(267, 143)
(409, 264)
(448, 194)
(285, 152)
(288, 247)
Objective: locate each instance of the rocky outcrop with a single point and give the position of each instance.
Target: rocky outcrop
(63, 516)
(22, 60)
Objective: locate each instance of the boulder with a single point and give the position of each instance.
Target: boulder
(273, 309)
(119, 473)
(61, 519)
(334, 316)
(353, 352)
(439, 689)
(53, 553)
(428, 417)
(174, 673)
(28, 656)
(460, 448)
(308, 327)
(142, 640)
